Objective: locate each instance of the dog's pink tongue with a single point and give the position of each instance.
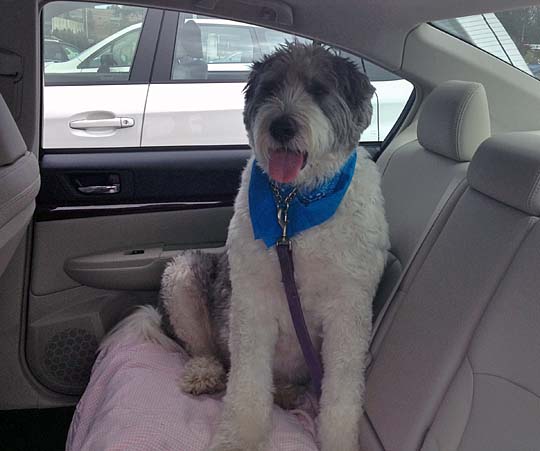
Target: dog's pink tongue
(285, 166)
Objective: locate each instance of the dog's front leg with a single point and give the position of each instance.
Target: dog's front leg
(246, 420)
(346, 333)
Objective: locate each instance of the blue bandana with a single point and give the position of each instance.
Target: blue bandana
(306, 210)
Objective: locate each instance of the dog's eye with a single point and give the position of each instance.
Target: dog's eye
(316, 89)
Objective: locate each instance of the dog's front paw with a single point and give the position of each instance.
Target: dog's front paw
(203, 375)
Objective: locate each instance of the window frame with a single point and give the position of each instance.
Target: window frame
(141, 68)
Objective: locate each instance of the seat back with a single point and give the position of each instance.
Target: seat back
(19, 185)
(189, 62)
(457, 360)
(453, 122)
(493, 401)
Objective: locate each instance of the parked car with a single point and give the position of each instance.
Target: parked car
(120, 46)
(57, 51)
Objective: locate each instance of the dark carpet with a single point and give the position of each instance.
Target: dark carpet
(35, 429)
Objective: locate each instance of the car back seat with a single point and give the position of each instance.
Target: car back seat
(457, 363)
(19, 185)
(453, 122)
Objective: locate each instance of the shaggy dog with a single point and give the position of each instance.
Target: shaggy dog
(305, 109)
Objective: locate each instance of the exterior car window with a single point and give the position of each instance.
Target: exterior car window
(98, 41)
(211, 50)
(512, 36)
(118, 76)
(121, 52)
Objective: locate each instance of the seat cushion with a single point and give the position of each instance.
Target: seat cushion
(133, 402)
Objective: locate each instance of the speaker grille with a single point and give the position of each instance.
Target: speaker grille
(69, 356)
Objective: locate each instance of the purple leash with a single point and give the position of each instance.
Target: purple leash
(285, 256)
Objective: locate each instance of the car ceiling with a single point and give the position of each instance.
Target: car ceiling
(377, 29)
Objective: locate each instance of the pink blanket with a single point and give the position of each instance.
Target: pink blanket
(133, 403)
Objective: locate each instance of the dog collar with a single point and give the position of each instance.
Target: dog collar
(307, 209)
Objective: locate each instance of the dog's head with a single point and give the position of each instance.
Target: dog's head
(305, 109)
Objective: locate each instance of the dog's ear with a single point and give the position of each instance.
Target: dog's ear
(353, 84)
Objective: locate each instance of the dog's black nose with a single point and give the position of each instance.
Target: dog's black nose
(283, 129)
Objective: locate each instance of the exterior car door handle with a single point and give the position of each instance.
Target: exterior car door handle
(115, 122)
(100, 189)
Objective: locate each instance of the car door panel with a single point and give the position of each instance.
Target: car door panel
(152, 177)
(185, 114)
(97, 103)
(111, 102)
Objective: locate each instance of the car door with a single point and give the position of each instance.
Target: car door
(111, 212)
(199, 107)
(109, 81)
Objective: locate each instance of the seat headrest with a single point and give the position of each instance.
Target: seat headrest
(191, 39)
(506, 167)
(454, 120)
(12, 145)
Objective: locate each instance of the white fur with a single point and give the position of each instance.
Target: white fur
(143, 325)
(338, 266)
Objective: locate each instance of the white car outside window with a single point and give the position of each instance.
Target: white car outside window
(198, 103)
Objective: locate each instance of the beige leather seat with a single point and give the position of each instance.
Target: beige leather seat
(19, 185)
(457, 361)
(454, 120)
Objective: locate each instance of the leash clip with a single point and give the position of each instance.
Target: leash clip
(283, 221)
(283, 213)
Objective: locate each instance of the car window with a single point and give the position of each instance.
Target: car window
(512, 36)
(52, 51)
(214, 47)
(223, 44)
(99, 41)
(209, 50)
(118, 54)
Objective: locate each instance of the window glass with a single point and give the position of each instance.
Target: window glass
(217, 50)
(89, 42)
(512, 36)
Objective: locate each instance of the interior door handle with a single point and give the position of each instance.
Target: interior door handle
(100, 189)
(115, 122)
